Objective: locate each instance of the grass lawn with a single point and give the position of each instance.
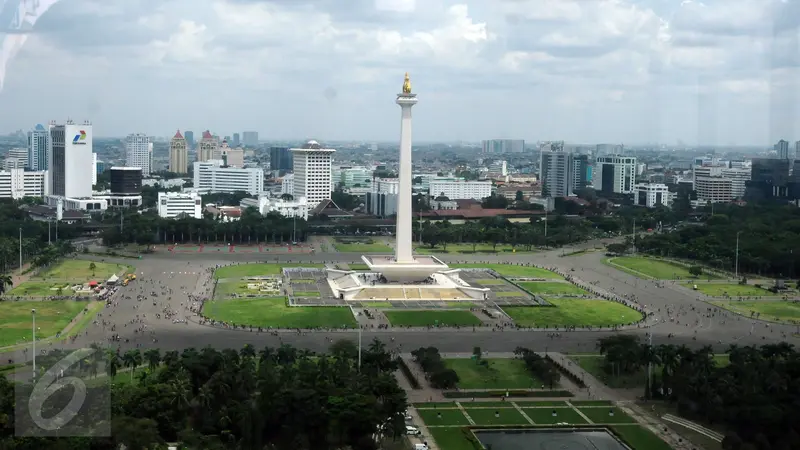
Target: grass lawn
(731, 290)
(500, 374)
(451, 438)
(601, 415)
(306, 294)
(492, 282)
(257, 269)
(778, 311)
(435, 405)
(566, 312)
(552, 287)
(512, 271)
(227, 289)
(449, 417)
(362, 248)
(529, 404)
(78, 270)
(640, 438)
(653, 268)
(507, 416)
(544, 416)
(39, 289)
(468, 248)
(51, 318)
(431, 318)
(594, 365)
(355, 266)
(273, 312)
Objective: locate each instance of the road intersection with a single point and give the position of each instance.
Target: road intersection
(146, 320)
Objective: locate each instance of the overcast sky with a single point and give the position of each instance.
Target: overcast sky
(717, 72)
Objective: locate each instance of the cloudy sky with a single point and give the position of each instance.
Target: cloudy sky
(716, 72)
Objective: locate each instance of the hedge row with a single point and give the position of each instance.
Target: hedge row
(511, 393)
(566, 372)
(412, 380)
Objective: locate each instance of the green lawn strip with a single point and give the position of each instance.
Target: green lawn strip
(77, 270)
(362, 248)
(551, 287)
(640, 438)
(501, 373)
(448, 417)
(470, 248)
(541, 403)
(488, 404)
(431, 318)
(544, 416)
(601, 415)
(731, 290)
(593, 364)
(85, 318)
(229, 289)
(507, 416)
(452, 438)
(258, 269)
(360, 267)
(491, 282)
(591, 402)
(434, 405)
(40, 289)
(655, 268)
(778, 311)
(513, 271)
(578, 312)
(51, 317)
(273, 312)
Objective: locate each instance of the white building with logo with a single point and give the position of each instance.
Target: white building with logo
(174, 204)
(70, 160)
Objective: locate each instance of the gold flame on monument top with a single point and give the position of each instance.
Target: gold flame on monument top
(407, 84)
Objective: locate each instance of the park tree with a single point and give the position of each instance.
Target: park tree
(92, 268)
(696, 270)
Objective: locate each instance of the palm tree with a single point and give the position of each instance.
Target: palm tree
(132, 359)
(112, 363)
(5, 280)
(153, 357)
(92, 267)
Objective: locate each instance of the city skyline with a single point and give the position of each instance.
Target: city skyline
(712, 73)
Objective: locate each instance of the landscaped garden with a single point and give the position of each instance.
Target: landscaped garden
(573, 312)
(404, 318)
(497, 373)
(257, 269)
(58, 279)
(273, 312)
(360, 245)
(731, 290)
(773, 310)
(645, 267)
(513, 271)
(552, 288)
(469, 248)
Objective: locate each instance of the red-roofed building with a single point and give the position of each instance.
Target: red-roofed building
(207, 135)
(178, 154)
(178, 135)
(465, 215)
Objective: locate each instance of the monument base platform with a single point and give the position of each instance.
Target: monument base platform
(416, 271)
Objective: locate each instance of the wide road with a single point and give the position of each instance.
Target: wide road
(684, 319)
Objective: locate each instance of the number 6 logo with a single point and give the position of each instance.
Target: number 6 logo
(49, 385)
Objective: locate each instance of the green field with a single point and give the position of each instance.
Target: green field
(653, 268)
(573, 312)
(257, 269)
(544, 416)
(512, 271)
(228, 289)
(273, 312)
(500, 374)
(431, 318)
(593, 364)
(731, 290)
(774, 310)
(51, 318)
(40, 289)
(468, 248)
(552, 288)
(600, 414)
(496, 416)
(77, 270)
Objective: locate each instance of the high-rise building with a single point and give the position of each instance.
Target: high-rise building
(236, 141)
(189, 138)
(312, 172)
(555, 172)
(615, 174)
(769, 178)
(126, 187)
(208, 146)
(38, 148)
(280, 158)
(178, 154)
(782, 147)
(581, 173)
(69, 160)
(212, 177)
(139, 152)
(250, 138)
(94, 168)
(652, 195)
(500, 146)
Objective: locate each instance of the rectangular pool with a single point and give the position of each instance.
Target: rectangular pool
(550, 439)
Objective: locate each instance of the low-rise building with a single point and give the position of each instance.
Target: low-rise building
(297, 207)
(652, 195)
(212, 177)
(460, 189)
(713, 189)
(175, 204)
(17, 183)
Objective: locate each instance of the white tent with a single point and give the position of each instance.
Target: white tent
(112, 280)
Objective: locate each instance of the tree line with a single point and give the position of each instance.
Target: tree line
(277, 398)
(755, 397)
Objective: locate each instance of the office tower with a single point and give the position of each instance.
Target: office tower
(208, 146)
(500, 146)
(769, 178)
(236, 141)
(555, 171)
(69, 159)
(38, 148)
(312, 172)
(250, 138)
(94, 169)
(178, 154)
(280, 158)
(581, 173)
(189, 138)
(139, 152)
(615, 174)
(213, 177)
(782, 147)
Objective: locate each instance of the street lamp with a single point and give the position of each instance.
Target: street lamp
(33, 330)
(736, 275)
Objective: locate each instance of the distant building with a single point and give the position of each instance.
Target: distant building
(210, 176)
(280, 158)
(94, 169)
(189, 138)
(769, 178)
(614, 174)
(126, 188)
(250, 138)
(555, 173)
(652, 195)
(178, 204)
(208, 146)
(17, 183)
(500, 146)
(236, 141)
(70, 159)
(312, 172)
(713, 189)
(297, 207)
(178, 154)
(38, 148)
(139, 152)
(782, 147)
(287, 184)
(461, 189)
(16, 158)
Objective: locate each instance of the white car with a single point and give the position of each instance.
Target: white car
(420, 447)
(412, 431)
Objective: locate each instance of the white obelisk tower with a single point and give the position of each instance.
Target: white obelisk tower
(403, 248)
